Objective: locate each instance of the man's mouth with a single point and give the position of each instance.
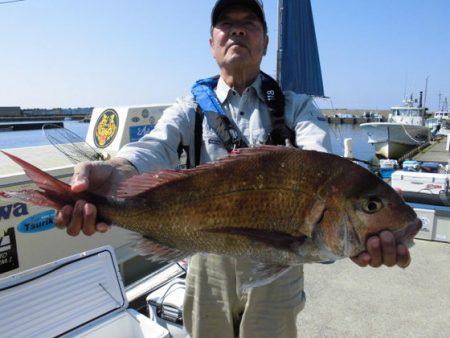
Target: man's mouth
(237, 44)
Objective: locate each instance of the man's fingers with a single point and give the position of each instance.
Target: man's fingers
(76, 221)
(63, 216)
(102, 227)
(81, 218)
(79, 181)
(403, 256)
(388, 248)
(374, 250)
(89, 217)
(362, 259)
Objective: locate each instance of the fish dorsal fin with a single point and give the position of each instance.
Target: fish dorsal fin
(141, 183)
(149, 181)
(39, 177)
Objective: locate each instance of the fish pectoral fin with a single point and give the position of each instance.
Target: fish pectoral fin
(277, 239)
(263, 274)
(156, 252)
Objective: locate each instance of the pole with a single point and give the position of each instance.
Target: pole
(280, 37)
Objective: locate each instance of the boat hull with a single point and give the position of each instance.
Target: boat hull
(392, 140)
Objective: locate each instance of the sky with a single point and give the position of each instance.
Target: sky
(88, 53)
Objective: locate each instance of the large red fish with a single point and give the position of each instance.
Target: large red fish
(277, 205)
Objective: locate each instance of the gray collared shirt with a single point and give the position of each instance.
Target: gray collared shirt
(158, 149)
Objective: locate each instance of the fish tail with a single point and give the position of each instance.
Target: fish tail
(55, 193)
(33, 197)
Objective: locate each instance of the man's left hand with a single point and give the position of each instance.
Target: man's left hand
(383, 250)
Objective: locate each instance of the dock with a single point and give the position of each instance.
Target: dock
(350, 120)
(344, 300)
(30, 125)
(435, 152)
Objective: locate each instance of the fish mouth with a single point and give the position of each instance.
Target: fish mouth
(407, 234)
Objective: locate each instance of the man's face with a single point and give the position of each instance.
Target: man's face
(238, 39)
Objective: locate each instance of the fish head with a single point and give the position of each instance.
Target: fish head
(374, 206)
(358, 205)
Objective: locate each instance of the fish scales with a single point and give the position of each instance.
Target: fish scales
(253, 201)
(272, 204)
(263, 196)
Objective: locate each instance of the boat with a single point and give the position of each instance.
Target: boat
(439, 123)
(404, 130)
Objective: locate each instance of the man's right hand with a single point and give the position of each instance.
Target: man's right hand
(101, 178)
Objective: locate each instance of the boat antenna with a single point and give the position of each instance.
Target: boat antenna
(404, 86)
(426, 90)
(280, 39)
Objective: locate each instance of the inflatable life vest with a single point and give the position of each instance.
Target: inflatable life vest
(209, 106)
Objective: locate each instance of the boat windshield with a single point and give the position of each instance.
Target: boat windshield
(406, 112)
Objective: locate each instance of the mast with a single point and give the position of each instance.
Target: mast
(298, 64)
(280, 39)
(426, 91)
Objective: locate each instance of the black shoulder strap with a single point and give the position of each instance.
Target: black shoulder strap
(276, 103)
(198, 135)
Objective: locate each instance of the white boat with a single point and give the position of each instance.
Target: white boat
(404, 130)
(440, 121)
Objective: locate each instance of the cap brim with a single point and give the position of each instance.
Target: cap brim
(221, 5)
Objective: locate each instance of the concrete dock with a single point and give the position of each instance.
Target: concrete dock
(435, 152)
(344, 300)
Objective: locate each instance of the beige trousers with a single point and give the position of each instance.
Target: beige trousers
(216, 307)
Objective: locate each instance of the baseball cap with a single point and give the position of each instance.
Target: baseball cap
(255, 6)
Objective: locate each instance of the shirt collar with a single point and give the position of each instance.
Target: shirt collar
(223, 90)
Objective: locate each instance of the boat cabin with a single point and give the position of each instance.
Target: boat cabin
(408, 115)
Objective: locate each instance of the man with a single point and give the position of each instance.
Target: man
(215, 304)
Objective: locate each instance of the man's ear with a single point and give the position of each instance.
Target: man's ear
(266, 44)
(211, 45)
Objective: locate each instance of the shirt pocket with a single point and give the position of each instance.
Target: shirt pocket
(212, 146)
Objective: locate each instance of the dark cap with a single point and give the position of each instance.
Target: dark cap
(255, 6)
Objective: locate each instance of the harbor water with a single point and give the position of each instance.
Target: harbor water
(338, 132)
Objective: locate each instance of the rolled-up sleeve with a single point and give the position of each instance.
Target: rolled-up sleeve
(310, 126)
(159, 148)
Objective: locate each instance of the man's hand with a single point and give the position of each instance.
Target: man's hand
(101, 178)
(383, 250)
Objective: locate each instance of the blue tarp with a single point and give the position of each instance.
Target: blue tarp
(299, 63)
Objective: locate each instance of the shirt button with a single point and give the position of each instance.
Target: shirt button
(242, 113)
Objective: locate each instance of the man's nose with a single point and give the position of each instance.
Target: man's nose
(237, 29)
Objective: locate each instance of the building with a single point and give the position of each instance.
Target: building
(10, 111)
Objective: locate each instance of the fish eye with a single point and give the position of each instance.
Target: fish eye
(372, 205)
